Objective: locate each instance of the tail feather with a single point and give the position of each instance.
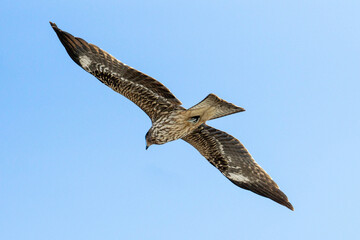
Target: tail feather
(214, 107)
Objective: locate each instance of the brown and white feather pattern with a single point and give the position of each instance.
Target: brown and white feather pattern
(228, 155)
(170, 121)
(219, 107)
(149, 94)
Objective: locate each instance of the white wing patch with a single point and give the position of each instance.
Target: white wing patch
(238, 178)
(85, 62)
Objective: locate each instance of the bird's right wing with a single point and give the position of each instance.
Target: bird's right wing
(232, 159)
(149, 94)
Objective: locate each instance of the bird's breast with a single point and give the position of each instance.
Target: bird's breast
(171, 127)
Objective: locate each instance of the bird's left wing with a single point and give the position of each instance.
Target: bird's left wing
(229, 156)
(146, 92)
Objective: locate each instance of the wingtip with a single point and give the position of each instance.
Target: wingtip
(52, 24)
(289, 206)
(55, 27)
(283, 201)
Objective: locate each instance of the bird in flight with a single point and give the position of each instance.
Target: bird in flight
(171, 121)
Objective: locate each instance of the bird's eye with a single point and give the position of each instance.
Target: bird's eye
(194, 119)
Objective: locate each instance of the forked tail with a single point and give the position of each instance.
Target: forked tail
(213, 107)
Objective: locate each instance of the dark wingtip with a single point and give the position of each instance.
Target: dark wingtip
(72, 45)
(54, 26)
(282, 199)
(289, 206)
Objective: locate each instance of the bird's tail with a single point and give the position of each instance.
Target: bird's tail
(213, 107)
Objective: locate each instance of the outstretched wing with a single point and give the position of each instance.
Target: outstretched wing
(228, 155)
(150, 95)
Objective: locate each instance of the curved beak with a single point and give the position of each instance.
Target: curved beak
(147, 145)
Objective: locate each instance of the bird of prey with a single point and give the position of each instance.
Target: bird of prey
(171, 121)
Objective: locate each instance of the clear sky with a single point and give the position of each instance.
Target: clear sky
(73, 163)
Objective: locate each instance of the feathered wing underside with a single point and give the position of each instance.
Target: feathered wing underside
(215, 107)
(149, 94)
(229, 156)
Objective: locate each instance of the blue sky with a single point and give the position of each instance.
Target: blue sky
(73, 163)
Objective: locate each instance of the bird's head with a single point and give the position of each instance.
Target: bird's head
(157, 136)
(149, 139)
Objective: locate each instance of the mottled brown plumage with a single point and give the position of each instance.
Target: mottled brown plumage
(171, 121)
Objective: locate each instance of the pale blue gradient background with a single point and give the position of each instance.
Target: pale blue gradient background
(73, 163)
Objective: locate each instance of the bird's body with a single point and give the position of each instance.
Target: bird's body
(171, 121)
(179, 122)
(169, 127)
